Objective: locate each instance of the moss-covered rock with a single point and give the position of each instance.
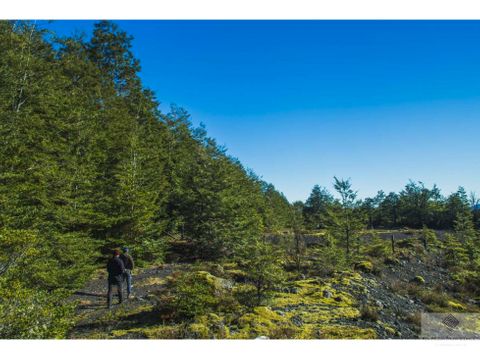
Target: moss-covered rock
(364, 266)
(211, 326)
(263, 321)
(391, 331)
(419, 280)
(311, 292)
(346, 332)
(456, 305)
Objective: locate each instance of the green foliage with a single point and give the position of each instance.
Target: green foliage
(279, 214)
(295, 248)
(455, 254)
(365, 266)
(418, 204)
(388, 211)
(263, 265)
(27, 311)
(377, 247)
(328, 259)
(194, 294)
(369, 313)
(467, 236)
(33, 314)
(429, 237)
(88, 163)
(345, 220)
(469, 280)
(371, 207)
(198, 293)
(316, 208)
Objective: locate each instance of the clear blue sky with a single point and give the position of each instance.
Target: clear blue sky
(299, 102)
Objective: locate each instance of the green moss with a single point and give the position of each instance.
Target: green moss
(326, 314)
(199, 331)
(230, 266)
(263, 322)
(210, 326)
(310, 306)
(311, 292)
(391, 331)
(346, 278)
(155, 332)
(364, 266)
(206, 277)
(418, 280)
(457, 306)
(346, 332)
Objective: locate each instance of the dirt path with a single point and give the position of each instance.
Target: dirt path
(95, 319)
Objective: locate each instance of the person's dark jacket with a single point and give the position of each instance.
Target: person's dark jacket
(128, 261)
(115, 268)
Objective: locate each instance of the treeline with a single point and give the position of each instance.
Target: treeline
(416, 206)
(88, 162)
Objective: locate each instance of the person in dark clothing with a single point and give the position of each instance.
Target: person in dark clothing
(129, 264)
(116, 269)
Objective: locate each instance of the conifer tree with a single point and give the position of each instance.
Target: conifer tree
(345, 221)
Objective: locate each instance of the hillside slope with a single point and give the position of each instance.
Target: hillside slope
(381, 300)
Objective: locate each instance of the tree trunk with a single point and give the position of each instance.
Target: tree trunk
(393, 244)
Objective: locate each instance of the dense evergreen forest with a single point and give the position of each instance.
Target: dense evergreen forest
(88, 163)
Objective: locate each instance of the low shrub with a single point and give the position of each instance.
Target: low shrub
(468, 280)
(327, 260)
(433, 298)
(198, 293)
(364, 266)
(34, 314)
(246, 294)
(415, 319)
(369, 313)
(419, 280)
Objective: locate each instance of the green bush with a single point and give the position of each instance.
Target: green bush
(454, 253)
(429, 237)
(378, 248)
(198, 293)
(246, 295)
(369, 313)
(364, 266)
(328, 260)
(34, 314)
(262, 264)
(469, 280)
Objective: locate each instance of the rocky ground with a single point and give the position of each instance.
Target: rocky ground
(383, 300)
(94, 319)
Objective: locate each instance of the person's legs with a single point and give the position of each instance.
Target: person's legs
(128, 277)
(120, 292)
(109, 294)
